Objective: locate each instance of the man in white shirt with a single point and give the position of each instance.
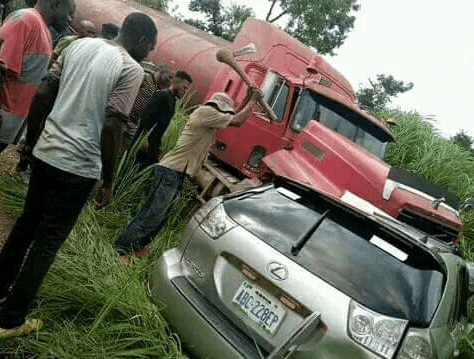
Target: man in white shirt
(92, 86)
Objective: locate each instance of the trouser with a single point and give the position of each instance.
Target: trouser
(154, 145)
(148, 221)
(53, 203)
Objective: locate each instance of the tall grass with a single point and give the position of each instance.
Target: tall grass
(420, 149)
(92, 307)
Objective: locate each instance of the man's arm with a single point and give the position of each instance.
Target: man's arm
(119, 105)
(240, 117)
(40, 107)
(3, 73)
(111, 140)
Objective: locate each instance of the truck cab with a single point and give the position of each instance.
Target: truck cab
(320, 137)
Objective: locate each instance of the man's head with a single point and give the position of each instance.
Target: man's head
(221, 102)
(180, 83)
(138, 35)
(109, 31)
(57, 13)
(85, 29)
(163, 78)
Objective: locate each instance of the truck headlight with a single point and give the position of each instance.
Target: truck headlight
(416, 345)
(378, 333)
(213, 219)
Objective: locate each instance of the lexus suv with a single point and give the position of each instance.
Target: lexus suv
(284, 271)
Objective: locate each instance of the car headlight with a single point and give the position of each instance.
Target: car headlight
(213, 219)
(376, 332)
(416, 345)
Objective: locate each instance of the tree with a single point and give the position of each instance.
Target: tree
(380, 93)
(160, 5)
(219, 20)
(463, 140)
(234, 17)
(322, 24)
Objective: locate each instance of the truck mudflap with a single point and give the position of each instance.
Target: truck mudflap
(294, 166)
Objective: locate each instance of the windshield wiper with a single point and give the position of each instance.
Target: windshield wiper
(300, 243)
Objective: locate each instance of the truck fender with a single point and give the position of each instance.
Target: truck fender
(291, 165)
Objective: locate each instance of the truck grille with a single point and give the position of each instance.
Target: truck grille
(436, 229)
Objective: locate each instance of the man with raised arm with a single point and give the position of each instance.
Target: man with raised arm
(186, 158)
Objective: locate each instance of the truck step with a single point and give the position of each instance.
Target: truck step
(223, 182)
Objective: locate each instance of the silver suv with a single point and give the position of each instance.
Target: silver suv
(284, 271)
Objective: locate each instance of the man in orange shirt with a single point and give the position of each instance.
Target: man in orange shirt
(25, 52)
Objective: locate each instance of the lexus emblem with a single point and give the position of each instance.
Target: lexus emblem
(277, 271)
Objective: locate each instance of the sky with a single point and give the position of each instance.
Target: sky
(429, 43)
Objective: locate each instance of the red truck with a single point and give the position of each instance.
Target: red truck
(319, 135)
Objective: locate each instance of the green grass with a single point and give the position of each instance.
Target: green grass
(421, 150)
(92, 307)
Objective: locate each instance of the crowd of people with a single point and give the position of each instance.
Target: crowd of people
(72, 104)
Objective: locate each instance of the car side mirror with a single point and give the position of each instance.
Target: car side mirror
(470, 275)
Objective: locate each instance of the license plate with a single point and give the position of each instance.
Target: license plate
(259, 306)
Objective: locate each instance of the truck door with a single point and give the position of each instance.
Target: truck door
(244, 147)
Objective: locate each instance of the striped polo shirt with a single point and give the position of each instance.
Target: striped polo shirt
(25, 49)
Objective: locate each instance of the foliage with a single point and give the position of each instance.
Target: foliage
(419, 149)
(92, 307)
(323, 24)
(219, 20)
(380, 92)
(463, 140)
(160, 5)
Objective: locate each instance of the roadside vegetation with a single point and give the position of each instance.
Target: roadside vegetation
(92, 307)
(420, 149)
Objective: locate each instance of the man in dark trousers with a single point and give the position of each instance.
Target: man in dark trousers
(158, 113)
(186, 159)
(92, 87)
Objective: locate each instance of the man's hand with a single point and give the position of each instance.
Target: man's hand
(26, 152)
(255, 94)
(104, 195)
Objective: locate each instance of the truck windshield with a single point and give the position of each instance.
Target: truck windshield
(340, 119)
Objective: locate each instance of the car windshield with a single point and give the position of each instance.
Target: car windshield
(340, 119)
(352, 252)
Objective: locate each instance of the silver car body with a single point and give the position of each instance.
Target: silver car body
(210, 288)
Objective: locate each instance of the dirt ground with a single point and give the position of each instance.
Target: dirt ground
(8, 160)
